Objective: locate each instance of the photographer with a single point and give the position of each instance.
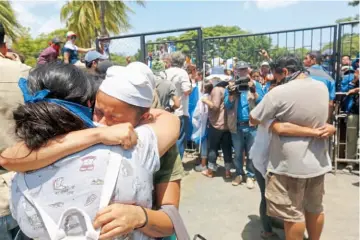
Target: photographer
(240, 94)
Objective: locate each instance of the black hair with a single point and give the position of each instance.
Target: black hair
(208, 87)
(315, 55)
(36, 123)
(254, 71)
(291, 62)
(346, 56)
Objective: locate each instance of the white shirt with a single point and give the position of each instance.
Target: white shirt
(182, 83)
(77, 181)
(259, 151)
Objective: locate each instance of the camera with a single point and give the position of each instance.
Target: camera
(241, 85)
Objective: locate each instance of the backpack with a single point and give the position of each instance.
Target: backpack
(57, 231)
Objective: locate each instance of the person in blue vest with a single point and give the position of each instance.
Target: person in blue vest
(312, 62)
(71, 51)
(242, 134)
(350, 86)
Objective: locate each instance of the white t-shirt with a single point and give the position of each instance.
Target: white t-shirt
(77, 181)
(182, 83)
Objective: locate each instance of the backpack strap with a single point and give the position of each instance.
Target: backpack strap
(56, 231)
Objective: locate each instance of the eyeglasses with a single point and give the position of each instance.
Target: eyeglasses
(73, 37)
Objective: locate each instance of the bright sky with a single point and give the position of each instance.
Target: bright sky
(254, 16)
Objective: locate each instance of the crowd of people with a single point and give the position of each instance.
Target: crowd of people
(64, 119)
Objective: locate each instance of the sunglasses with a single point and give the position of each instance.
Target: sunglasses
(73, 38)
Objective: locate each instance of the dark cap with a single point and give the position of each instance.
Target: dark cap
(242, 65)
(56, 40)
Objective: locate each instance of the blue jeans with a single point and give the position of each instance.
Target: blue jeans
(8, 228)
(242, 141)
(181, 142)
(265, 219)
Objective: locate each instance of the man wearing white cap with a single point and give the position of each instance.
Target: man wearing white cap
(70, 50)
(124, 96)
(265, 72)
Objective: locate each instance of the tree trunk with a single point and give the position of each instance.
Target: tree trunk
(102, 18)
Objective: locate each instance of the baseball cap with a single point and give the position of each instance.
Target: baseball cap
(56, 40)
(241, 65)
(93, 55)
(265, 63)
(70, 34)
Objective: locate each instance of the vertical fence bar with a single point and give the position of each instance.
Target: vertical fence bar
(286, 41)
(142, 49)
(294, 42)
(351, 38)
(311, 40)
(338, 54)
(302, 47)
(334, 54)
(321, 38)
(199, 53)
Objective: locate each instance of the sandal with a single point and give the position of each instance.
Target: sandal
(228, 175)
(206, 173)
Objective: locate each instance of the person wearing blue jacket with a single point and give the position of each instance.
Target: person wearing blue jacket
(312, 62)
(242, 134)
(350, 86)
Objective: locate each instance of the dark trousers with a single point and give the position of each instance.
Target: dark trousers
(219, 138)
(265, 219)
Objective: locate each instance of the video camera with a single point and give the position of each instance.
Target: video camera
(241, 85)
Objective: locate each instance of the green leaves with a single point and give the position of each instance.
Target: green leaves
(9, 21)
(85, 18)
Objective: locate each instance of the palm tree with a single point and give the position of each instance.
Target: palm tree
(92, 18)
(8, 20)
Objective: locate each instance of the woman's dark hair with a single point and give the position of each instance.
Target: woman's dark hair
(208, 87)
(291, 62)
(36, 123)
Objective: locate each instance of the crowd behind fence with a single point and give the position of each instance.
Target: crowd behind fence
(334, 41)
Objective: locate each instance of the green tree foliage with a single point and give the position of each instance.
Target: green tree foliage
(84, 18)
(8, 20)
(31, 47)
(348, 19)
(354, 3)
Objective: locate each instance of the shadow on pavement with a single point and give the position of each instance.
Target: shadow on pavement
(252, 230)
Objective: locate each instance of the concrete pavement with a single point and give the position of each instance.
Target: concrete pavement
(219, 211)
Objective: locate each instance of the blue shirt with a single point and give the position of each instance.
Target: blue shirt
(318, 73)
(345, 87)
(72, 49)
(243, 110)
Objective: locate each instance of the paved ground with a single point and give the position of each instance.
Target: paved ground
(219, 211)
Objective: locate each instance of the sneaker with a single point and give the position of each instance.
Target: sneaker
(237, 181)
(200, 168)
(250, 183)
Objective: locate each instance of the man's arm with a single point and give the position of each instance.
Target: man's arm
(185, 84)
(66, 57)
(166, 128)
(216, 98)
(293, 130)
(21, 159)
(85, 50)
